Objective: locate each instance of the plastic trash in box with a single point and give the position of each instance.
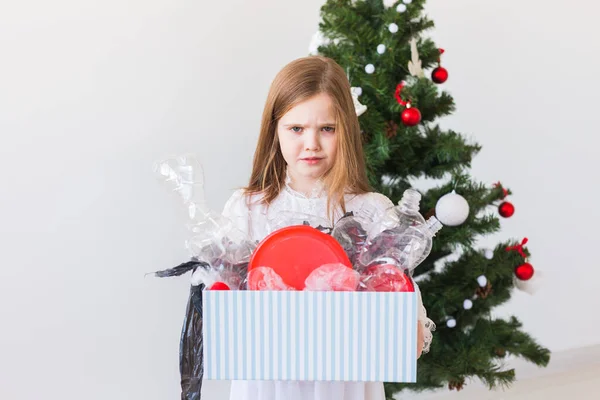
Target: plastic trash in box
(341, 273)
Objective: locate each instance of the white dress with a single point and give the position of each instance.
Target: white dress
(251, 217)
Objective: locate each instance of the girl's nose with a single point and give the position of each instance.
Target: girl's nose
(311, 142)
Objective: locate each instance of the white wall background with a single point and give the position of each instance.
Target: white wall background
(92, 93)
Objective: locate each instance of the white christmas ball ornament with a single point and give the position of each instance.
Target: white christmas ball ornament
(467, 304)
(451, 323)
(393, 28)
(407, 1)
(381, 48)
(369, 68)
(401, 8)
(452, 209)
(482, 280)
(388, 3)
(488, 253)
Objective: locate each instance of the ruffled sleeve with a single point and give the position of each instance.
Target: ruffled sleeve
(427, 325)
(236, 209)
(379, 202)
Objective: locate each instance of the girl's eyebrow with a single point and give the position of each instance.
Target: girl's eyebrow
(323, 124)
(286, 125)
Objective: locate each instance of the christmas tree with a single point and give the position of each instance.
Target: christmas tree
(382, 46)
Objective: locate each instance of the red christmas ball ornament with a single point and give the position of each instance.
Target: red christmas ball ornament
(439, 75)
(411, 116)
(524, 271)
(506, 209)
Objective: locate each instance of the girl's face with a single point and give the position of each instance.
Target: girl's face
(308, 140)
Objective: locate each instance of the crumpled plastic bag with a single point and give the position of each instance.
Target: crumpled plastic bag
(265, 278)
(328, 277)
(333, 277)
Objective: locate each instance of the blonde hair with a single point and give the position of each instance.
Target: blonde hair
(296, 82)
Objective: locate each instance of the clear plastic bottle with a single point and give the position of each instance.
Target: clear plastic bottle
(393, 222)
(433, 226)
(351, 231)
(404, 247)
(401, 235)
(416, 242)
(400, 217)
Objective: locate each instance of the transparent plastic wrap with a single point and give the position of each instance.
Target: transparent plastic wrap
(220, 255)
(223, 250)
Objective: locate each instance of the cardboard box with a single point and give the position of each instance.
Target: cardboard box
(310, 336)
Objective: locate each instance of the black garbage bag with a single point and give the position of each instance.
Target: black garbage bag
(191, 350)
(191, 369)
(190, 347)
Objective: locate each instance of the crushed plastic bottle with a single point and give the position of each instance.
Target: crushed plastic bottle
(406, 247)
(400, 217)
(401, 235)
(351, 231)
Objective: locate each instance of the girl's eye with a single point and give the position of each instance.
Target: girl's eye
(329, 129)
(296, 129)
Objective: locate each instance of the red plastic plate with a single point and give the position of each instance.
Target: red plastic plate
(295, 251)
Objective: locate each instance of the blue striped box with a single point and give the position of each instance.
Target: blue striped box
(310, 336)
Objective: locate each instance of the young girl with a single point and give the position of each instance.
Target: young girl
(308, 159)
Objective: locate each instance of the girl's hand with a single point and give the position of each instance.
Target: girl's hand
(420, 339)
